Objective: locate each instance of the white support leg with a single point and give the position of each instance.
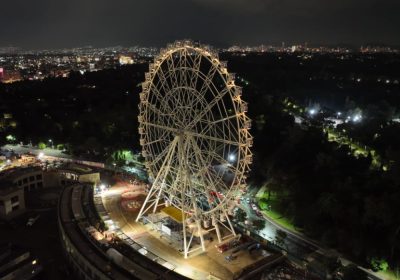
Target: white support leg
(200, 231)
(156, 188)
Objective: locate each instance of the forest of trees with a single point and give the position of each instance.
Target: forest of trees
(333, 196)
(94, 114)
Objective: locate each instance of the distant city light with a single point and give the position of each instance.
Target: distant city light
(124, 60)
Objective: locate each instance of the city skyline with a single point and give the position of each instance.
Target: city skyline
(222, 23)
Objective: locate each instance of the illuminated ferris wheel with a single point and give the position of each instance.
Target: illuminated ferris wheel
(195, 138)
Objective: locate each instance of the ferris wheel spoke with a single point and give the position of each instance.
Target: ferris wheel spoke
(206, 176)
(163, 79)
(163, 127)
(224, 119)
(157, 111)
(172, 72)
(161, 99)
(222, 161)
(211, 176)
(182, 65)
(160, 140)
(196, 69)
(209, 107)
(207, 81)
(167, 149)
(212, 124)
(216, 139)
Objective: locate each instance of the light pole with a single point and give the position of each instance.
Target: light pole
(51, 143)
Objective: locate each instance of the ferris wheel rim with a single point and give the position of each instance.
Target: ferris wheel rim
(242, 146)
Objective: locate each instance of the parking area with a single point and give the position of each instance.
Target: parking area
(46, 245)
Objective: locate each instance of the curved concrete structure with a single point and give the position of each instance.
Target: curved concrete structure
(93, 256)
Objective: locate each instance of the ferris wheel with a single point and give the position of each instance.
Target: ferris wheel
(195, 138)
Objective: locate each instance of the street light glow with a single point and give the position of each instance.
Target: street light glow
(357, 118)
(232, 157)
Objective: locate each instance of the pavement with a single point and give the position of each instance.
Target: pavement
(198, 266)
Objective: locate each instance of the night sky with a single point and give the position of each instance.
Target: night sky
(42, 24)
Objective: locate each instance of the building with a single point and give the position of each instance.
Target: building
(12, 200)
(16, 183)
(124, 60)
(73, 173)
(11, 76)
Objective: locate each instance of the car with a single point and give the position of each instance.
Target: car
(248, 200)
(32, 220)
(222, 248)
(254, 207)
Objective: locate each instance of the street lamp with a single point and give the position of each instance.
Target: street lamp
(231, 158)
(102, 187)
(51, 143)
(357, 118)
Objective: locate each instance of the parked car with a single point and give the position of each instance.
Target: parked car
(32, 220)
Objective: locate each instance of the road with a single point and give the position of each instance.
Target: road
(18, 149)
(298, 246)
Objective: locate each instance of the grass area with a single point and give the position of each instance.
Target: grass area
(389, 275)
(279, 219)
(272, 201)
